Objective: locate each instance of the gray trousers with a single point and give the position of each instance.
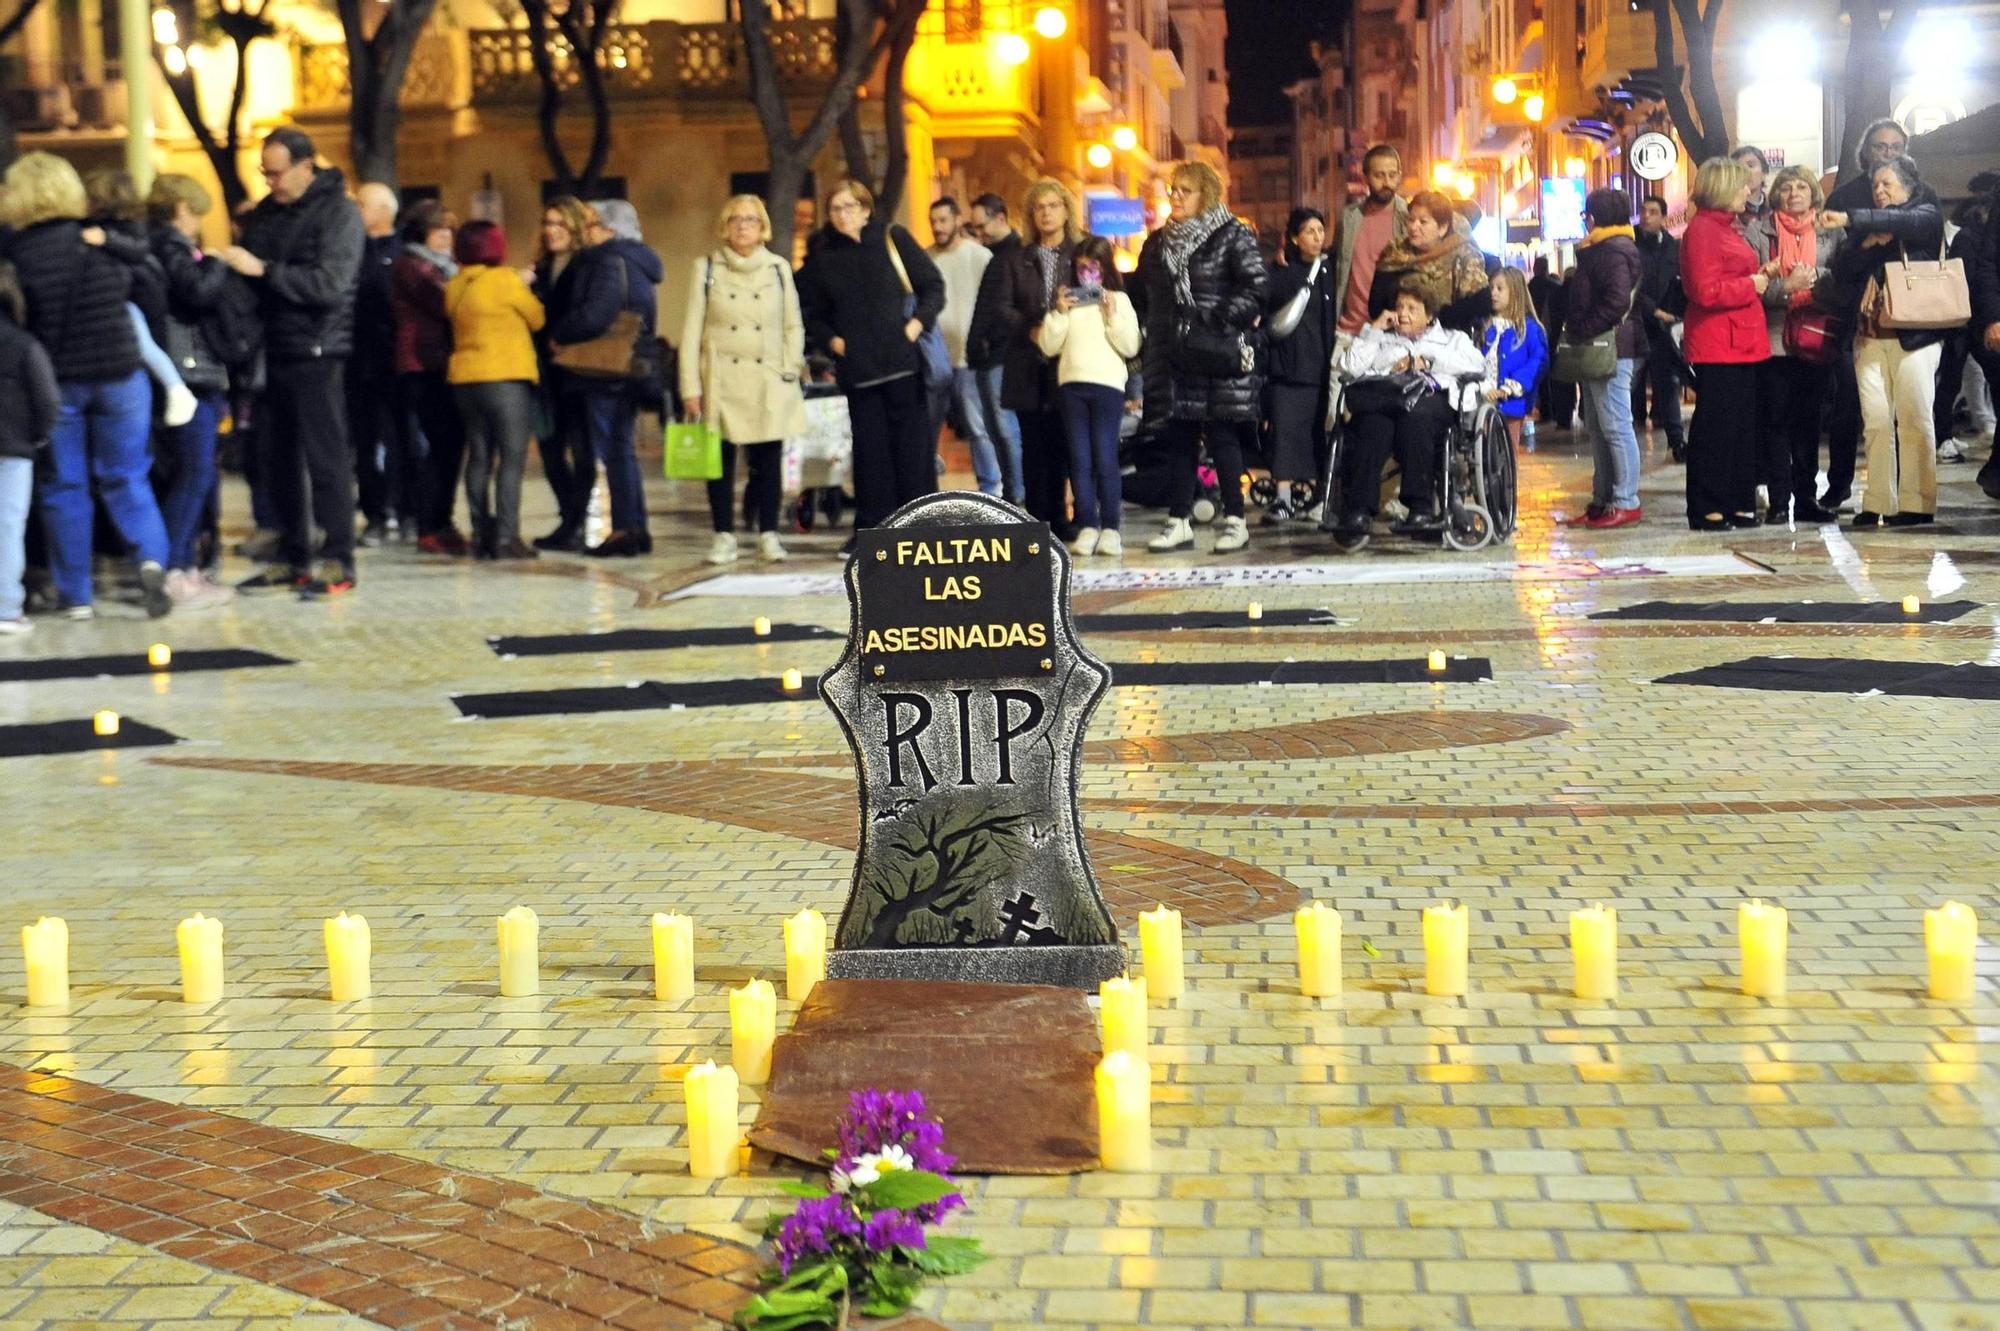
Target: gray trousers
(498, 418)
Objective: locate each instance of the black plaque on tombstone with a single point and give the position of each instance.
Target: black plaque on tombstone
(964, 695)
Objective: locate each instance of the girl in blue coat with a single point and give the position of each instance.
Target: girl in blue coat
(1517, 350)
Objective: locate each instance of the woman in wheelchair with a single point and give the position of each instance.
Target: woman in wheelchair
(1401, 373)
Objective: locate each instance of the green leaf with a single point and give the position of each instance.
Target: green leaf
(890, 1289)
(905, 1188)
(803, 1188)
(945, 1256)
(787, 1310)
(1370, 948)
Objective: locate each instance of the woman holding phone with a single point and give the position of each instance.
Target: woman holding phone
(1091, 332)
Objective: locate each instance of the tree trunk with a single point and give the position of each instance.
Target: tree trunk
(895, 133)
(221, 155)
(781, 195)
(1872, 51)
(376, 65)
(1696, 108)
(600, 97)
(10, 146)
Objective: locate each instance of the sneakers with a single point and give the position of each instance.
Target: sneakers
(272, 576)
(1175, 534)
(153, 588)
(77, 612)
(444, 541)
(190, 591)
(1279, 513)
(331, 578)
(179, 408)
(721, 548)
(1110, 543)
(373, 535)
(1950, 450)
(1234, 536)
(1085, 542)
(17, 626)
(1615, 517)
(770, 549)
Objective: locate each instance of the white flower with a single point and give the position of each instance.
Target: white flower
(868, 1168)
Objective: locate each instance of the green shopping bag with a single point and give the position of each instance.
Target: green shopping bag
(694, 452)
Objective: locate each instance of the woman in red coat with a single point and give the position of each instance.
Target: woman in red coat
(1725, 340)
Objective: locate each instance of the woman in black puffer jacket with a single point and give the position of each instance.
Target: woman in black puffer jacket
(1202, 272)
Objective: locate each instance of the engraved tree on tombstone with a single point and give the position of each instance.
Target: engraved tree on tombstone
(964, 695)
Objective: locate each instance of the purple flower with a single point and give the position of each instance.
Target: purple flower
(879, 1119)
(890, 1228)
(813, 1229)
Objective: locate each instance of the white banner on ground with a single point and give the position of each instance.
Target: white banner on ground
(1344, 573)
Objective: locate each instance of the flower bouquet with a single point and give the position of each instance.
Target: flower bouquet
(862, 1242)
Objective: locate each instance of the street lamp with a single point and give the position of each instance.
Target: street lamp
(1124, 138)
(1098, 155)
(1534, 108)
(1012, 48)
(1442, 174)
(1051, 22)
(1466, 186)
(1505, 90)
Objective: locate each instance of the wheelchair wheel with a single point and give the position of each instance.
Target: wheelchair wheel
(1498, 480)
(1468, 526)
(1305, 493)
(1263, 492)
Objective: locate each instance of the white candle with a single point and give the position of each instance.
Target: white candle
(753, 1025)
(760, 627)
(159, 656)
(1593, 943)
(1256, 610)
(1951, 941)
(1124, 1113)
(711, 1111)
(45, 949)
(1761, 937)
(347, 957)
(105, 723)
(199, 940)
(673, 957)
(1121, 1012)
(805, 953)
(1160, 951)
(1447, 943)
(1318, 930)
(520, 954)
(1436, 660)
(792, 681)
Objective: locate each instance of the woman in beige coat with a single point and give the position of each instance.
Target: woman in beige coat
(742, 354)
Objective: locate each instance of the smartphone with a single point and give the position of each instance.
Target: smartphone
(1089, 289)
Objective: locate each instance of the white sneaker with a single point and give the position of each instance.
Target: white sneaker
(722, 549)
(770, 550)
(191, 591)
(78, 612)
(1110, 543)
(1234, 536)
(1085, 542)
(1951, 450)
(16, 627)
(179, 407)
(1176, 534)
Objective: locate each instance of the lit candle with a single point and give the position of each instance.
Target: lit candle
(711, 1110)
(1160, 949)
(1951, 937)
(1121, 1010)
(45, 947)
(1911, 605)
(1318, 927)
(1125, 1113)
(1256, 610)
(200, 941)
(347, 948)
(1593, 947)
(761, 627)
(1760, 933)
(753, 1025)
(805, 953)
(673, 958)
(159, 656)
(1447, 940)
(105, 723)
(520, 954)
(791, 681)
(1436, 661)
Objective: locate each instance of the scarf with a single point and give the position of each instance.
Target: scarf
(1047, 257)
(1182, 240)
(444, 263)
(1797, 244)
(1598, 233)
(1399, 255)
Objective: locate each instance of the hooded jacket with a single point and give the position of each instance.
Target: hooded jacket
(1725, 314)
(600, 282)
(76, 302)
(849, 289)
(311, 250)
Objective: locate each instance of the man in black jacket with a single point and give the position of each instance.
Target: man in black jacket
(302, 248)
(386, 479)
(1659, 274)
(985, 352)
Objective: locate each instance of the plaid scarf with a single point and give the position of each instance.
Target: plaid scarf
(1183, 239)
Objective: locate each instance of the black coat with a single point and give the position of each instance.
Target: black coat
(212, 323)
(312, 262)
(986, 341)
(1021, 300)
(1547, 293)
(1918, 227)
(599, 284)
(1306, 357)
(1659, 275)
(1602, 294)
(850, 290)
(30, 399)
(1982, 274)
(374, 312)
(76, 302)
(1228, 279)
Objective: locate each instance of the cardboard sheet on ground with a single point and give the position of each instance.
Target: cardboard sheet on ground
(134, 663)
(648, 695)
(1177, 621)
(1793, 612)
(1007, 1068)
(653, 640)
(1798, 674)
(78, 736)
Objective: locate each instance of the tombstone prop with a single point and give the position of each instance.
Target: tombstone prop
(964, 695)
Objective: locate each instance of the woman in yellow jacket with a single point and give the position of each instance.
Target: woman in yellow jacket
(493, 373)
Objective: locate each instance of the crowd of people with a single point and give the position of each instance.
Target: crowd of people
(370, 361)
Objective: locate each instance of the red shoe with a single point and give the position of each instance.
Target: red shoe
(1617, 517)
(446, 541)
(1590, 517)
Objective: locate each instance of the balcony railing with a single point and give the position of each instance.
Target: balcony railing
(695, 60)
(432, 80)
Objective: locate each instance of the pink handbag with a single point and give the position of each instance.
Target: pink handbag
(1924, 294)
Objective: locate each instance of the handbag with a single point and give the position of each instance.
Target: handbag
(1591, 362)
(693, 451)
(1812, 334)
(930, 342)
(1292, 313)
(1394, 393)
(624, 350)
(1924, 295)
(1212, 355)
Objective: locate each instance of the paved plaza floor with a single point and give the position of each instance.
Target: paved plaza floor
(1684, 1157)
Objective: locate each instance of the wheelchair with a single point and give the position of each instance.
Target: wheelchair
(1476, 476)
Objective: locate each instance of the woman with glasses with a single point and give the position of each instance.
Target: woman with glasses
(567, 461)
(743, 348)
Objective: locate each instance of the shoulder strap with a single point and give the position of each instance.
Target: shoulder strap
(896, 258)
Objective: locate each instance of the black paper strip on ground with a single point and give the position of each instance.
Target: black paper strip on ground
(654, 640)
(1793, 612)
(134, 663)
(1175, 621)
(649, 695)
(1906, 679)
(51, 737)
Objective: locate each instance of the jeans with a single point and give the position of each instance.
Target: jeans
(762, 492)
(1607, 418)
(498, 419)
(1002, 426)
(893, 461)
(17, 486)
(1093, 412)
(101, 434)
(305, 420)
(608, 417)
(190, 449)
(966, 395)
(1895, 388)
